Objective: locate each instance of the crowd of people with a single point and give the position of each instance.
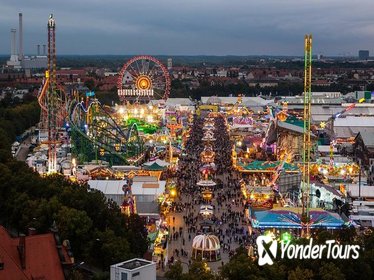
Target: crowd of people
(227, 221)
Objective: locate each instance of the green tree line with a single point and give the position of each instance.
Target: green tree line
(99, 234)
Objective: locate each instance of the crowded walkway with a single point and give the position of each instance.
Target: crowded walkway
(227, 221)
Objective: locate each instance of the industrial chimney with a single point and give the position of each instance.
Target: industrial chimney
(13, 55)
(38, 47)
(20, 51)
(14, 58)
(44, 50)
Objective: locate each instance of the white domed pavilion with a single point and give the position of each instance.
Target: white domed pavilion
(207, 247)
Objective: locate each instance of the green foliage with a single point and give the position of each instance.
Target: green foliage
(90, 83)
(329, 271)
(240, 266)
(110, 249)
(97, 230)
(175, 272)
(198, 270)
(14, 121)
(101, 276)
(75, 275)
(300, 274)
(108, 97)
(73, 225)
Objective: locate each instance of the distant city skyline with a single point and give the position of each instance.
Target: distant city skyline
(209, 27)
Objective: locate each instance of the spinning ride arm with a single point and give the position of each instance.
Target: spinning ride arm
(272, 121)
(331, 128)
(278, 171)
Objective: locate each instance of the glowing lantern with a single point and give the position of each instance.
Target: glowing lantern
(282, 116)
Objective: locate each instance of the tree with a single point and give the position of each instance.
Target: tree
(86, 218)
(300, 274)
(74, 225)
(175, 272)
(329, 271)
(136, 234)
(75, 275)
(110, 249)
(240, 266)
(90, 83)
(199, 270)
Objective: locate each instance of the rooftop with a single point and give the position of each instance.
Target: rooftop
(353, 121)
(133, 264)
(40, 260)
(368, 138)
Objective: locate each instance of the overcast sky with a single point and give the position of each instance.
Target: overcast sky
(193, 27)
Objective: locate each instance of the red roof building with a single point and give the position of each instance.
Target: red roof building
(32, 257)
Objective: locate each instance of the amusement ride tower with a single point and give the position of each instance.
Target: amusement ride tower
(307, 133)
(52, 98)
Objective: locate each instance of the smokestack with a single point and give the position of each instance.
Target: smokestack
(20, 51)
(38, 47)
(44, 50)
(13, 42)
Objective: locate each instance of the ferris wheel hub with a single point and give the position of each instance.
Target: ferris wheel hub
(143, 82)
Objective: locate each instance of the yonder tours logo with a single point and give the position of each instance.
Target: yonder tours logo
(267, 249)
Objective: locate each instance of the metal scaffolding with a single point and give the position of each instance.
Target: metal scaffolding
(307, 119)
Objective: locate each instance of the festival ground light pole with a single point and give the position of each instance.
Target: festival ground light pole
(307, 133)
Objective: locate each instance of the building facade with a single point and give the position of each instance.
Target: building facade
(134, 269)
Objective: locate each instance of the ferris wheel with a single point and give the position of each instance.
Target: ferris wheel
(143, 78)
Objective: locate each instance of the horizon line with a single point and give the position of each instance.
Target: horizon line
(192, 55)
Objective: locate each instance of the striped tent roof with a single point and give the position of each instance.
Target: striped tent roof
(205, 242)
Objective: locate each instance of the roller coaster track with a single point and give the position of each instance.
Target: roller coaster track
(103, 132)
(42, 100)
(42, 103)
(42, 94)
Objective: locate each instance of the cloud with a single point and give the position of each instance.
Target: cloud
(193, 27)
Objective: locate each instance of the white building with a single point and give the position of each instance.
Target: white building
(134, 269)
(112, 189)
(145, 189)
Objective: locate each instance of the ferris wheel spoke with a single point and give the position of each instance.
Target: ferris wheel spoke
(144, 66)
(137, 66)
(148, 62)
(150, 70)
(133, 75)
(159, 93)
(152, 75)
(141, 67)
